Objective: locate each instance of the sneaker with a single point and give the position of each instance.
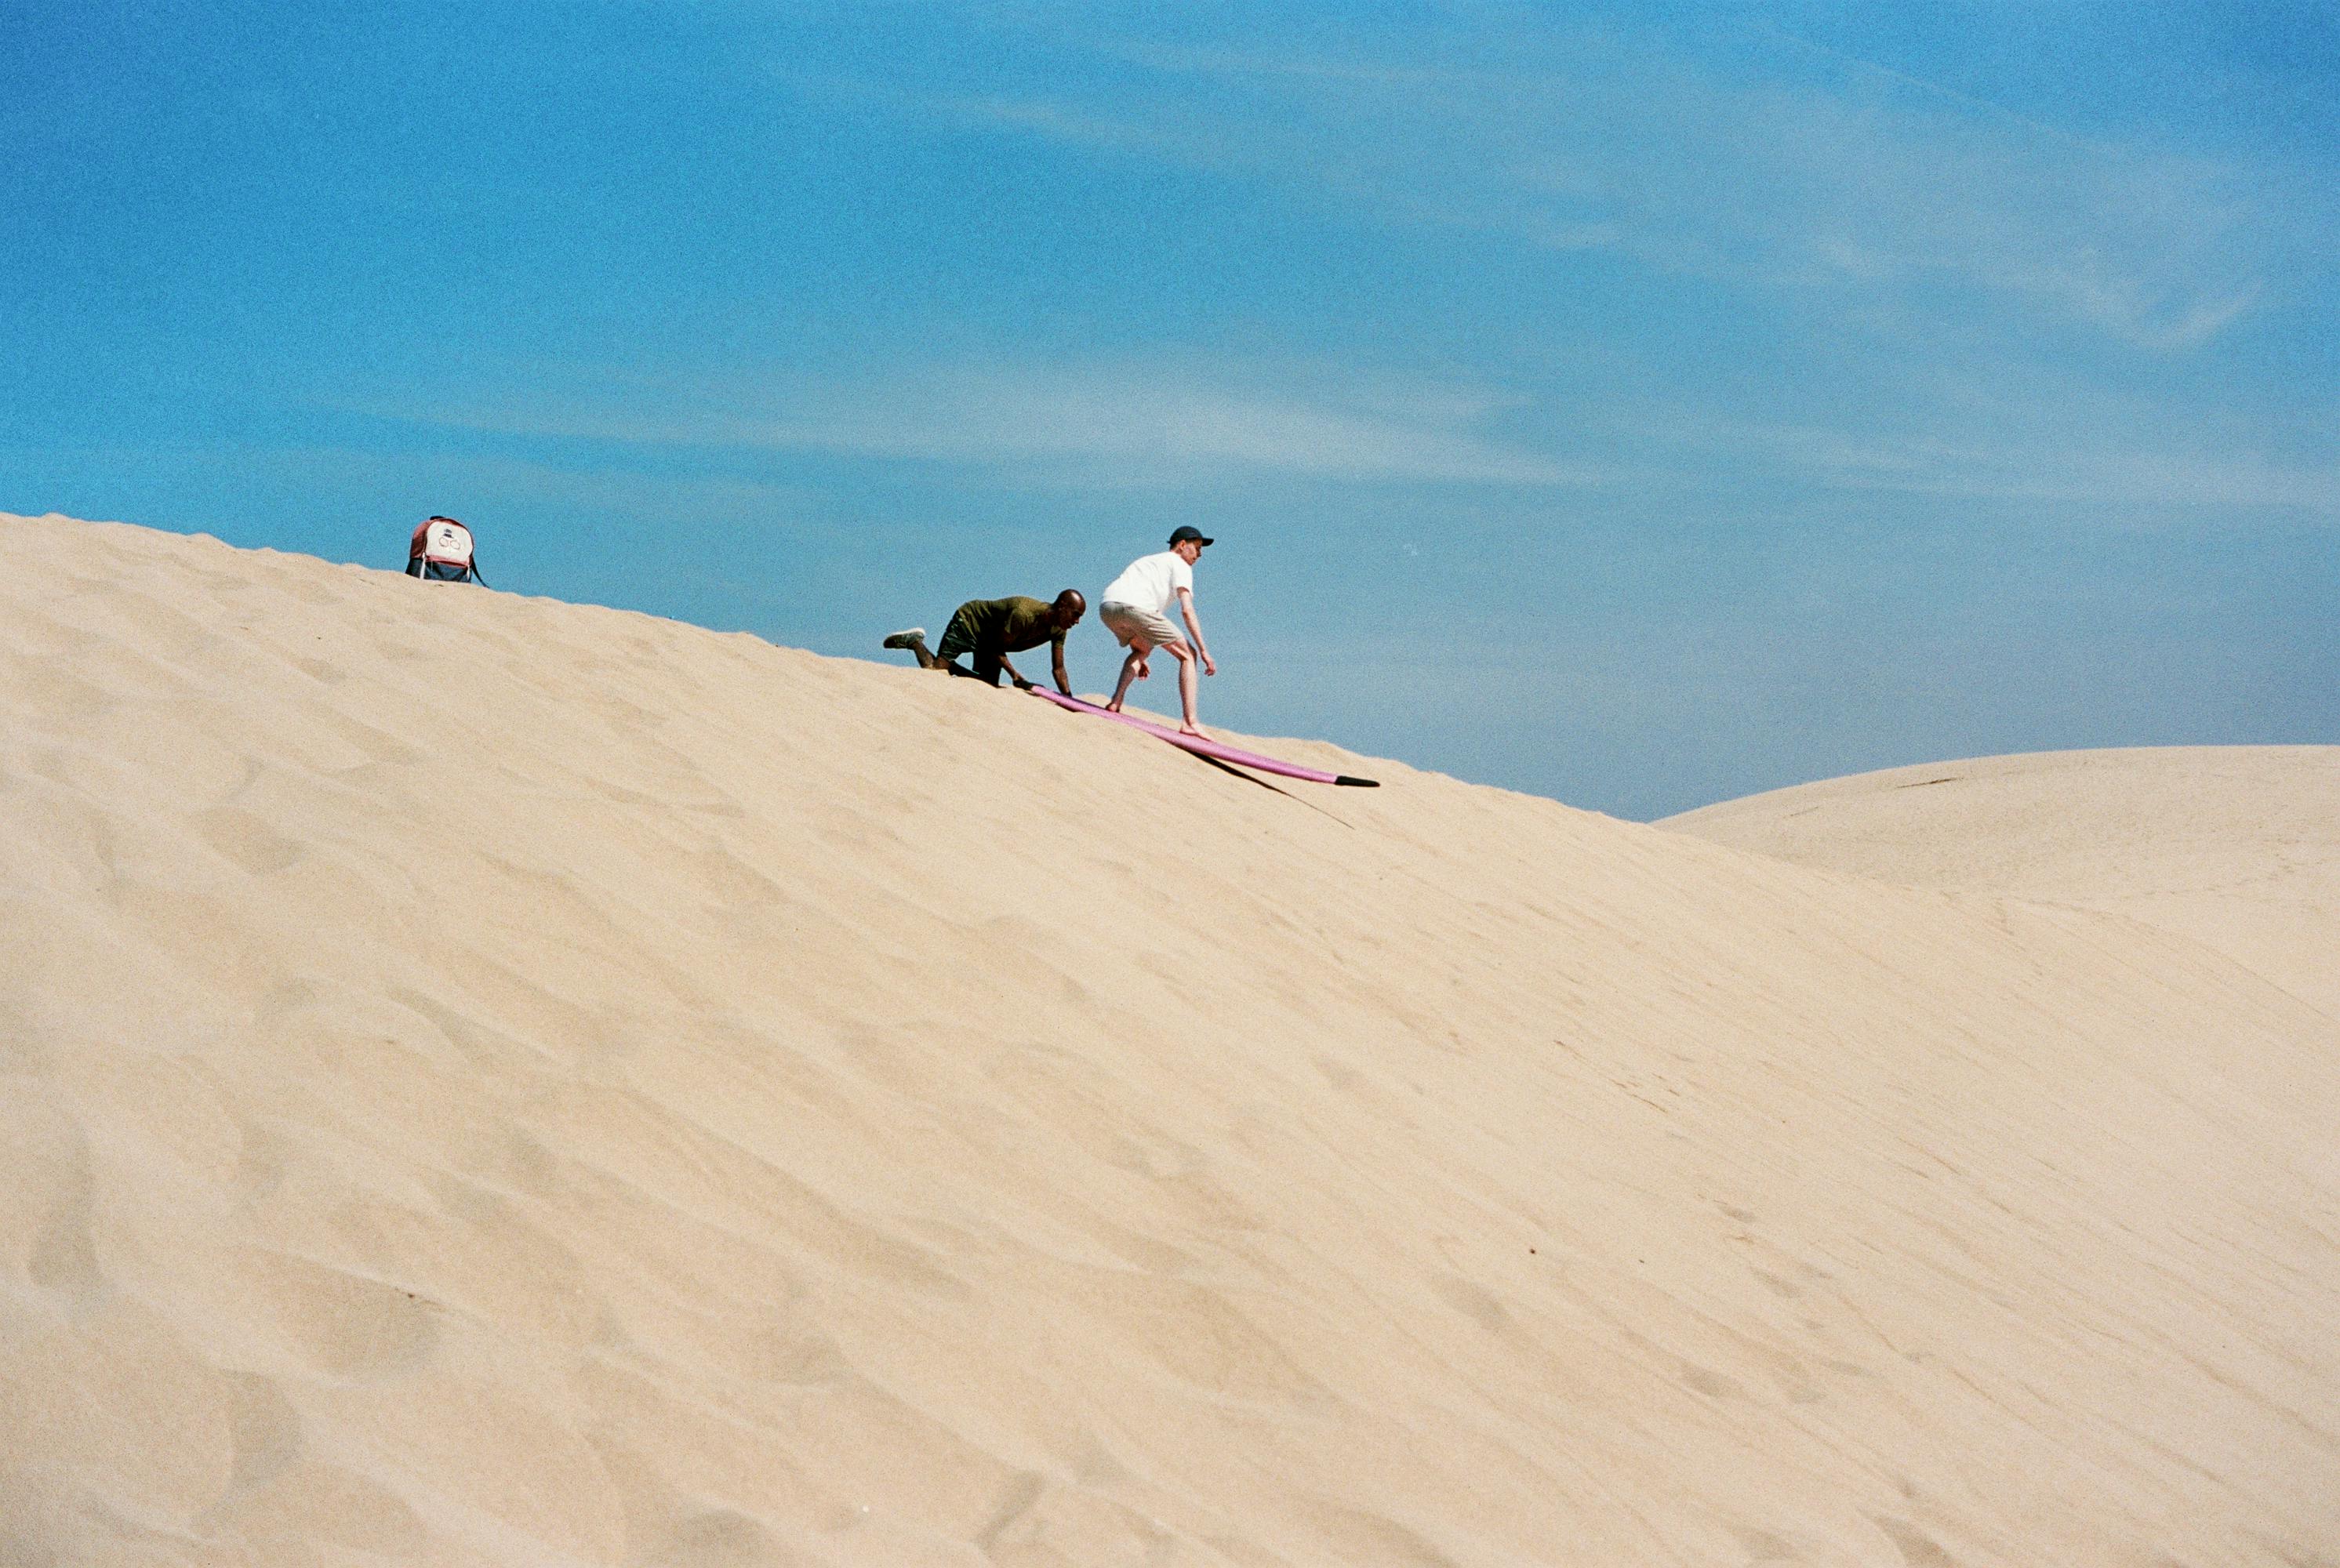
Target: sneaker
(910, 638)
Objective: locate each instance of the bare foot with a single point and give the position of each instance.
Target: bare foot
(1195, 730)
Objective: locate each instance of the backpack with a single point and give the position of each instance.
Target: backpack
(441, 551)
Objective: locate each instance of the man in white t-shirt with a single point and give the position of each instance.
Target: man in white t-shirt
(1136, 609)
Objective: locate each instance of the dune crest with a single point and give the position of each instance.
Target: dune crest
(2236, 847)
(489, 1081)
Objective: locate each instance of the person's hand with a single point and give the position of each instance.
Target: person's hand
(1210, 665)
(1021, 683)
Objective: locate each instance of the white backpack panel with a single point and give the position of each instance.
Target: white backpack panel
(449, 544)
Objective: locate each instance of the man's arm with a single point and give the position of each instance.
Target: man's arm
(1056, 665)
(1195, 630)
(1021, 683)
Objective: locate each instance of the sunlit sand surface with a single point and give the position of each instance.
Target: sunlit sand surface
(492, 1081)
(2237, 847)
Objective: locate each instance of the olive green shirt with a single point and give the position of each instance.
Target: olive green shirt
(996, 627)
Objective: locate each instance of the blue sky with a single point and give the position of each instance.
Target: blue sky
(1638, 404)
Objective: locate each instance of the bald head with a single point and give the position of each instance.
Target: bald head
(1069, 608)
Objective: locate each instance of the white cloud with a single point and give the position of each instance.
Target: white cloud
(1803, 168)
(1138, 423)
(2065, 465)
(1164, 423)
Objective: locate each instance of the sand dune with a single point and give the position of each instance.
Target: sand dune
(2237, 847)
(486, 1080)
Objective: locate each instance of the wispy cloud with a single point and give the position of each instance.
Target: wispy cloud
(2089, 468)
(1801, 168)
(1167, 422)
(1159, 423)
(1112, 424)
(582, 486)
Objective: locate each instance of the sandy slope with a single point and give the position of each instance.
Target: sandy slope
(489, 1081)
(2237, 847)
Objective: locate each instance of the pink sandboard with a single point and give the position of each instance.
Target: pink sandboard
(1215, 750)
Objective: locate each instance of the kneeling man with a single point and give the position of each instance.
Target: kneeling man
(991, 629)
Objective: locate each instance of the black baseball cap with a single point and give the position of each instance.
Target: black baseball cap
(1184, 531)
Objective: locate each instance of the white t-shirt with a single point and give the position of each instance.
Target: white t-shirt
(1151, 583)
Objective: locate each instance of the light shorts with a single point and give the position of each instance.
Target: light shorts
(1133, 628)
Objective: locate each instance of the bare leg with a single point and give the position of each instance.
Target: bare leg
(1132, 668)
(1187, 682)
